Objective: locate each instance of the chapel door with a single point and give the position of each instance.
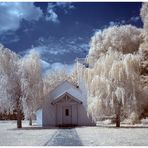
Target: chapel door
(67, 115)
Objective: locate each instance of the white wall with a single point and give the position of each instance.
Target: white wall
(78, 111)
(39, 117)
(59, 114)
(83, 118)
(49, 117)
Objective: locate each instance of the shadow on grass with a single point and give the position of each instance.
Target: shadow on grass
(41, 128)
(98, 126)
(33, 128)
(130, 126)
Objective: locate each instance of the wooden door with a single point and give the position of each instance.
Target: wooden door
(67, 115)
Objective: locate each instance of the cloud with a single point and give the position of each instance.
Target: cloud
(59, 49)
(47, 67)
(65, 5)
(135, 18)
(51, 10)
(12, 13)
(116, 23)
(9, 38)
(52, 16)
(122, 22)
(47, 49)
(61, 46)
(111, 23)
(60, 66)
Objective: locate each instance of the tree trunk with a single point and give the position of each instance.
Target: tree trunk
(19, 118)
(117, 120)
(30, 121)
(118, 115)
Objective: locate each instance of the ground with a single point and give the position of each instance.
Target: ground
(27, 136)
(88, 136)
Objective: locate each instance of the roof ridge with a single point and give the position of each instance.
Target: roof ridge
(65, 93)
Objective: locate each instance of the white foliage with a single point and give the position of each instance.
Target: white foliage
(21, 82)
(144, 47)
(9, 79)
(31, 83)
(3, 93)
(114, 78)
(54, 78)
(114, 74)
(144, 16)
(125, 39)
(133, 118)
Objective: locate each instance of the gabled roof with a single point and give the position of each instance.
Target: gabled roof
(63, 87)
(57, 99)
(62, 83)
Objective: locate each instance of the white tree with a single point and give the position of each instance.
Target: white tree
(114, 81)
(113, 78)
(31, 84)
(54, 78)
(21, 86)
(11, 95)
(144, 55)
(125, 39)
(144, 47)
(144, 17)
(4, 105)
(73, 76)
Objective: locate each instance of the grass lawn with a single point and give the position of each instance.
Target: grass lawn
(88, 136)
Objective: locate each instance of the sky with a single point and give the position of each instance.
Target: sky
(60, 31)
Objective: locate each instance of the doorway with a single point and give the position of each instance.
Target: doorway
(67, 115)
